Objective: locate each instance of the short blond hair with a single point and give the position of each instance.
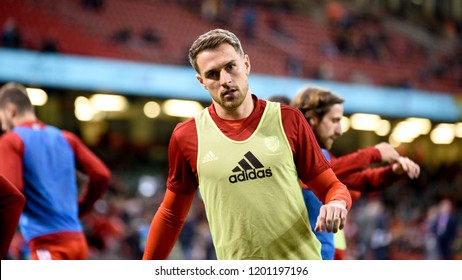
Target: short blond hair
(16, 94)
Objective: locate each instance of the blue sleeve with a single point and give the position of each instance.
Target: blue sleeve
(313, 204)
(326, 154)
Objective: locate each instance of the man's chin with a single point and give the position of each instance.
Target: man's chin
(328, 145)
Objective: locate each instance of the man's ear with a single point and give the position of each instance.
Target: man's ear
(201, 81)
(247, 64)
(10, 108)
(313, 120)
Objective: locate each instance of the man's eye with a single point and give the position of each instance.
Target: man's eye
(212, 75)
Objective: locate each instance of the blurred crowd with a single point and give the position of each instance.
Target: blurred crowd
(421, 220)
(355, 31)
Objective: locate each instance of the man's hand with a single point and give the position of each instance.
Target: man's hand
(332, 216)
(405, 165)
(388, 152)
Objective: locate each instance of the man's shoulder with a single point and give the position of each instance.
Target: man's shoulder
(10, 137)
(185, 128)
(11, 141)
(291, 113)
(66, 133)
(290, 109)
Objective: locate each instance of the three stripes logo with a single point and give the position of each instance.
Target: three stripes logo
(249, 168)
(209, 156)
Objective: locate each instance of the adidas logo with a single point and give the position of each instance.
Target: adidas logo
(210, 156)
(249, 168)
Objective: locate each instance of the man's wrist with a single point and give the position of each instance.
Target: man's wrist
(339, 202)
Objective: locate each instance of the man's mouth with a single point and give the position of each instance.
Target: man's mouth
(228, 92)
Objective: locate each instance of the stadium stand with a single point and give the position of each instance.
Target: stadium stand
(79, 30)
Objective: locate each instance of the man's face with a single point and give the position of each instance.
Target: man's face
(224, 73)
(328, 128)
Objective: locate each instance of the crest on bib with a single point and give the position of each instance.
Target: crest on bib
(272, 143)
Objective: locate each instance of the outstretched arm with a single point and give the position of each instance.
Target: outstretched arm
(374, 179)
(362, 159)
(167, 224)
(355, 162)
(370, 179)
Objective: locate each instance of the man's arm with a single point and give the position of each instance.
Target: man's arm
(12, 152)
(315, 171)
(336, 198)
(11, 204)
(370, 179)
(362, 159)
(181, 189)
(355, 162)
(167, 224)
(92, 166)
(374, 179)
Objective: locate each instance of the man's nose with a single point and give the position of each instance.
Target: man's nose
(225, 78)
(338, 130)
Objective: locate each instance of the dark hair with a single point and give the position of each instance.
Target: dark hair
(280, 98)
(211, 40)
(15, 93)
(314, 100)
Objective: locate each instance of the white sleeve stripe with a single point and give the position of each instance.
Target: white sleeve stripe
(43, 254)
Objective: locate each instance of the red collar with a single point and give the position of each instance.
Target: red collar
(36, 123)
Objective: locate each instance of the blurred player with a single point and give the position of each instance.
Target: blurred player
(313, 204)
(323, 110)
(41, 161)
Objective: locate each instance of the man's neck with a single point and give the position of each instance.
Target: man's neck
(24, 118)
(242, 112)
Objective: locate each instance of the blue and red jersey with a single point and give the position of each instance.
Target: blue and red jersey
(41, 161)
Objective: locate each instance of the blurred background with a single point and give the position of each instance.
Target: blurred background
(116, 73)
